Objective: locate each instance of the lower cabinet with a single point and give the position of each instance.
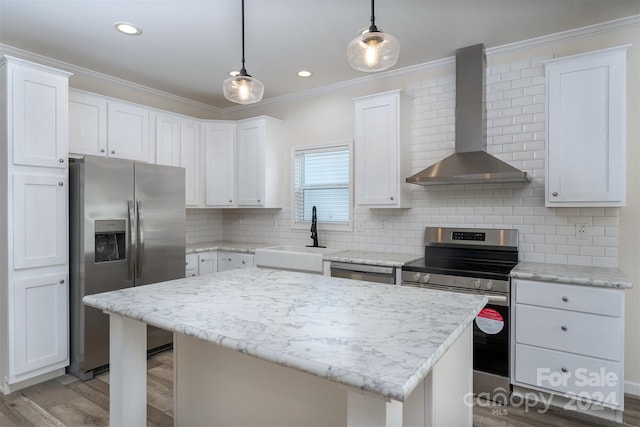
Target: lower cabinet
(197, 264)
(231, 260)
(568, 341)
(40, 333)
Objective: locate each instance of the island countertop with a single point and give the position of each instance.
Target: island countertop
(378, 338)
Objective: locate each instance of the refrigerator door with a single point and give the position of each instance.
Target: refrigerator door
(161, 217)
(101, 251)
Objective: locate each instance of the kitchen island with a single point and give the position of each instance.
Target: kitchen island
(268, 347)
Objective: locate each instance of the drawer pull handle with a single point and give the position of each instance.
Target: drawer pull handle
(564, 328)
(564, 370)
(565, 299)
(555, 194)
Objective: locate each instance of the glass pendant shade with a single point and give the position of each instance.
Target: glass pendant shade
(243, 89)
(373, 51)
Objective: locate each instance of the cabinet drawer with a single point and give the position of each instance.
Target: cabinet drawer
(594, 379)
(582, 333)
(604, 301)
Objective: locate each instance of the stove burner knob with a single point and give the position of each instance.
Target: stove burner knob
(489, 284)
(476, 283)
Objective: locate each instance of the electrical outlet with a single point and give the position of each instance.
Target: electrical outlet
(582, 231)
(383, 224)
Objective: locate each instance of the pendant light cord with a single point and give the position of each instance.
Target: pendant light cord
(372, 27)
(243, 71)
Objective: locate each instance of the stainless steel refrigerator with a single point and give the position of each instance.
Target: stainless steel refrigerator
(127, 228)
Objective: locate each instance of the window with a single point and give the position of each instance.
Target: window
(321, 178)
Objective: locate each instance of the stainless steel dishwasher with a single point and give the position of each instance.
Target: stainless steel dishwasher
(370, 273)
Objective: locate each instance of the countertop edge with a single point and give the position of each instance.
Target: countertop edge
(604, 277)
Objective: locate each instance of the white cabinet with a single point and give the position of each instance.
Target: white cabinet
(568, 340)
(87, 124)
(34, 313)
(177, 143)
(101, 126)
(190, 159)
(218, 163)
(167, 140)
(191, 265)
(39, 119)
(39, 220)
(382, 150)
(40, 314)
(586, 129)
(207, 263)
(128, 131)
(261, 162)
(231, 260)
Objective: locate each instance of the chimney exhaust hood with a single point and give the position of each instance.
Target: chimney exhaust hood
(470, 164)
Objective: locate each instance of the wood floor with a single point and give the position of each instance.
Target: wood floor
(67, 401)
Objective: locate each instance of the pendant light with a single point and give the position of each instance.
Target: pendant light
(373, 50)
(243, 89)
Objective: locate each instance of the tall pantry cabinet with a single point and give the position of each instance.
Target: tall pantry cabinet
(33, 223)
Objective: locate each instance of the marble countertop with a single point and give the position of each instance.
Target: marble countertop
(372, 258)
(224, 245)
(572, 274)
(379, 338)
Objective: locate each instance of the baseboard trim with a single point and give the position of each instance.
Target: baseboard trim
(632, 388)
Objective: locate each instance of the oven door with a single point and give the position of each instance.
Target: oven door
(490, 339)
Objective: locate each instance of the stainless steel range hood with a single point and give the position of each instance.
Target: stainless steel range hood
(470, 164)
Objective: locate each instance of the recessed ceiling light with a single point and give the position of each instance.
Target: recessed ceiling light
(127, 28)
(305, 73)
(234, 73)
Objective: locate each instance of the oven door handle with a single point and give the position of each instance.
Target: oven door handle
(498, 300)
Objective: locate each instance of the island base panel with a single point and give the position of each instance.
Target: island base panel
(218, 386)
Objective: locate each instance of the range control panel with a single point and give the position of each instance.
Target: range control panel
(467, 235)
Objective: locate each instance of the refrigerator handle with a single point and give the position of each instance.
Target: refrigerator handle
(140, 233)
(132, 240)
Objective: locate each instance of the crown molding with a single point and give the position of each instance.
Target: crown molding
(600, 28)
(85, 72)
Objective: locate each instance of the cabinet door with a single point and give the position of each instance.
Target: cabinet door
(250, 162)
(586, 130)
(40, 118)
(40, 319)
(190, 160)
(208, 262)
(40, 221)
(191, 265)
(376, 150)
(87, 124)
(167, 140)
(219, 164)
(242, 260)
(128, 136)
(225, 261)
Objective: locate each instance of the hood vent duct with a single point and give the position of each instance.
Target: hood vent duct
(470, 164)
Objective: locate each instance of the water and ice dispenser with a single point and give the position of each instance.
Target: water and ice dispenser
(110, 240)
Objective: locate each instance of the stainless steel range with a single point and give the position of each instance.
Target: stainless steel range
(474, 260)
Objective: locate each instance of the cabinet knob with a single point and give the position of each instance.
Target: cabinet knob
(60, 184)
(113, 151)
(193, 274)
(102, 150)
(554, 194)
(61, 281)
(243, 262)
(563, 327)
(565, 299)
(230, 201)
(391, 198)
(564, 370)
(201, 260)
(259, 201)
(186, 263)
(61, 160)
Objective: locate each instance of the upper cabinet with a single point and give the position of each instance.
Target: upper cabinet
(101, 126)
(219, 164)
(190, 159)
(260, 161)
(382, 150)
(586, 129)
(167, 140)
(39, 119)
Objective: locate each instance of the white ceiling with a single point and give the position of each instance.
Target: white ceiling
(188, 46)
